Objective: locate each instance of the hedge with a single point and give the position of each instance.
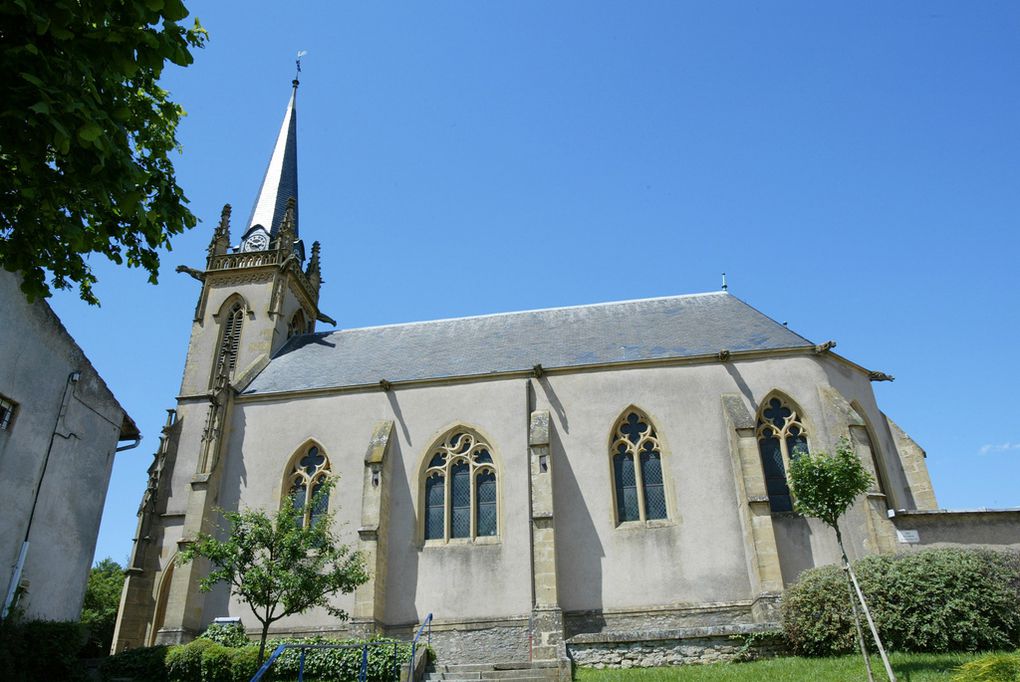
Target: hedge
(41, 650)
(930, 601)
(206, 660)
(147, 664)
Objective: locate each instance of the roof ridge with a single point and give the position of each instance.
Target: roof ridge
(531, 311)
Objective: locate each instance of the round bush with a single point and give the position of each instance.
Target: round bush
(936, 600)
(184, 661)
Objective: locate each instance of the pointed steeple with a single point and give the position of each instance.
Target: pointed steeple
(279, 184)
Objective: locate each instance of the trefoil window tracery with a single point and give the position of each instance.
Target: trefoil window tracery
(460, 495)
(781, 436)
(640, 490)
(305, 483)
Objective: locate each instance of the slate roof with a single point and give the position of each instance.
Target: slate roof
(648, 329)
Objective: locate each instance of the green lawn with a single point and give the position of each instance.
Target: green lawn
(908, 668)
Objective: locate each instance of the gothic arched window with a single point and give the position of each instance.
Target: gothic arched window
(781, 436)
(640, 490)
(297, 325)
(310, 472)
(230, 339)
(460, 488)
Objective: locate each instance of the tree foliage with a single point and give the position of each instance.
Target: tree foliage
(102, 599)
(824, 486)
(277, 565)
(86, 135)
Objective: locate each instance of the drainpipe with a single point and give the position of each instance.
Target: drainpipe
(12, 589)
(129, 446)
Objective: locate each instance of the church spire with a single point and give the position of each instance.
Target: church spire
(279, 184)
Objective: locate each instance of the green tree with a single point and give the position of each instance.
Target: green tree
(278, 564)
(825, 486)
(102, 598)
(86, 135)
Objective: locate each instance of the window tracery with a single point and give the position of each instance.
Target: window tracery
(305, 482)
(781, 436)
(640, 490)
(460, 497)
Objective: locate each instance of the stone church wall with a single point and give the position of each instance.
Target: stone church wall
(688, 570)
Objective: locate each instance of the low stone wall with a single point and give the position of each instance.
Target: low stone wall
(664, 618)
(647, 649)
(476, 641)
(987, 528)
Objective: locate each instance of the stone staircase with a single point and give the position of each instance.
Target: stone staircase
(499, 672)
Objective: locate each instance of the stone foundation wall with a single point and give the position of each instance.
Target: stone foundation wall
(690, 646)
(490, 642)
(649, 619)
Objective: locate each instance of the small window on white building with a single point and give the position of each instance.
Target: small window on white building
(7, 408)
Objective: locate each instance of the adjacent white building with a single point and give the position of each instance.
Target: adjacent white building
(59, 429)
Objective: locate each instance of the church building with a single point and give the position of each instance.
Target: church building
(544, 482)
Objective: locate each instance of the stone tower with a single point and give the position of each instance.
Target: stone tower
(255, 295)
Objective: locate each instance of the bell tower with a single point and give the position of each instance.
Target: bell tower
(255, 295)
(259, 292)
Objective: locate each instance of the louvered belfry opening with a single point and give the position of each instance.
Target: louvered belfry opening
(231, 340)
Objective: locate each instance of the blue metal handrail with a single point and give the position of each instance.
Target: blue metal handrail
(362, 674)
(414, 645)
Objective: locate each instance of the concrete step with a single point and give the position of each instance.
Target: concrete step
(479, 672)
(528, 676)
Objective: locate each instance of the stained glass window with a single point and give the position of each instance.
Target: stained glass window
(781, 436)
(306, 492)
(460, 484)
(626, 488)
(435, 522)
(640, 491)
(460, 500)
(486, 495)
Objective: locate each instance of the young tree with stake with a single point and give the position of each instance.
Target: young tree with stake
(824, 487)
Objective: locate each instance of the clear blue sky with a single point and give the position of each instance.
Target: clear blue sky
(854, 168)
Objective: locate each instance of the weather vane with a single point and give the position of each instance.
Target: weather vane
(300, 54)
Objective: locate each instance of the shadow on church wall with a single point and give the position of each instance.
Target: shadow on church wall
(402, 552)
(579, 552)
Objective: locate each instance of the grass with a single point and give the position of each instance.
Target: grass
(908, 668)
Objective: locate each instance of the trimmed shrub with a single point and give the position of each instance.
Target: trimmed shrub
(215, 664)
(204, 660)
(990, 668)
(937, 600)
(341, 664)
(145, 664)
(184, 661)
(227, 634)
(244, 664)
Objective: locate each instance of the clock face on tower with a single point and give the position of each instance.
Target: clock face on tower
(258, 241)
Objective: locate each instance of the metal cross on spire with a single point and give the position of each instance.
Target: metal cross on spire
(297, 62)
